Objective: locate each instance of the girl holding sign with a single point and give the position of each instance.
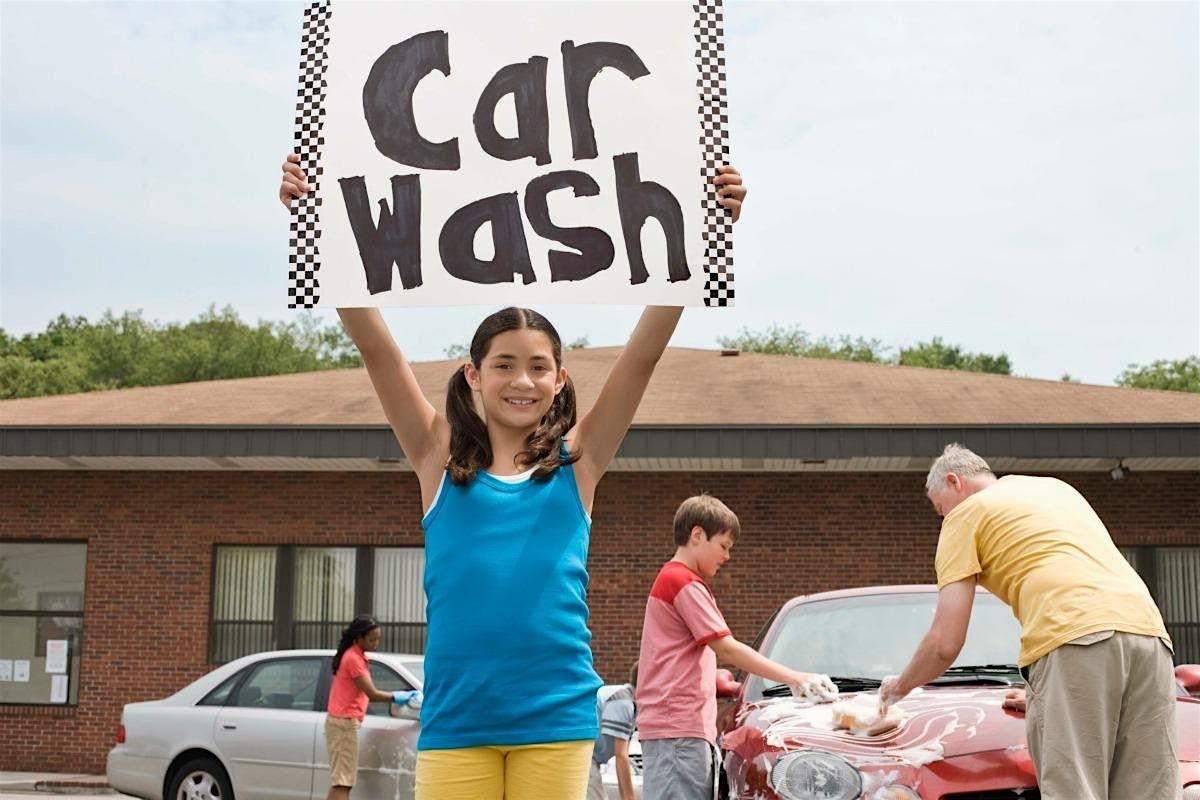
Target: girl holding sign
(510, 693)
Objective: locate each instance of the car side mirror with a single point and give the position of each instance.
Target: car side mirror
(404, 712)
(726, 685)
(1188, 676)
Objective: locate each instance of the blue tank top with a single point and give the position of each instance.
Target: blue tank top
(508, 658)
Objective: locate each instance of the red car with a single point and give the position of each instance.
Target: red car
(956, 741)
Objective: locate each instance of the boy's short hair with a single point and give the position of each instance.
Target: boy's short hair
(709, 513)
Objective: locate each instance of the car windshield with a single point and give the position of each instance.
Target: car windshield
(873, 636)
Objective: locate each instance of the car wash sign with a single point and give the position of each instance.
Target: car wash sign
(511, 152)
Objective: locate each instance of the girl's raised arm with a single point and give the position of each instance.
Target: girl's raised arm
(599, 433)
(424, 434)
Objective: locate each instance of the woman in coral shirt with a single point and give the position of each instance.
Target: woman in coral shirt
(349, 695)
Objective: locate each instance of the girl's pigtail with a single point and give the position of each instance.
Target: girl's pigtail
(470, 448)
(544, 447)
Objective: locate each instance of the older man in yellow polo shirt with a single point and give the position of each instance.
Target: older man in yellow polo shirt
(1095, 653)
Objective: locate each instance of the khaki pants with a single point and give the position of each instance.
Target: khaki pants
(1100, 720)
(341, 741)
(596, 789)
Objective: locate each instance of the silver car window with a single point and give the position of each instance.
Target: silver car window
(219, 695)
(285, 683)
(386, 680)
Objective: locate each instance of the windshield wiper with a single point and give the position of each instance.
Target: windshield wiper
(978, 673)
(843, 684)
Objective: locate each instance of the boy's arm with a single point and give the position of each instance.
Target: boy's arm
(624, 769)
(730, 651)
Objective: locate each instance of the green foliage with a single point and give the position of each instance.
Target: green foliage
(795, 341)
(75, 355)
(938, 355)
(1182, 375)
(462, 351)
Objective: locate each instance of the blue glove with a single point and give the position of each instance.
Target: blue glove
(412, 699)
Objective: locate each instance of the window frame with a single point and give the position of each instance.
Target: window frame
(1145, 563)
(74, 655)
(285, 581)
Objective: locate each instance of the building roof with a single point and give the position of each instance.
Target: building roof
(690, 387)
(702, 410)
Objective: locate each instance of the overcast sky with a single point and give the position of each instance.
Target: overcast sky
(1011, 176)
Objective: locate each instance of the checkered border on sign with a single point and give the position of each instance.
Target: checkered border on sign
(304, 259)
(714, 148)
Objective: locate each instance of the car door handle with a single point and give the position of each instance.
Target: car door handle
(229, 727)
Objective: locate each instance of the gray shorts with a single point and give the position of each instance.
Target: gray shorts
(678, 769)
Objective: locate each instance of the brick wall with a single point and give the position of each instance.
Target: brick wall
(151, 535)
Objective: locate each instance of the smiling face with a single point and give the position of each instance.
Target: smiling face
(517, 378)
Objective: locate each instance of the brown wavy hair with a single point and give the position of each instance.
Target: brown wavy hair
(470, 448)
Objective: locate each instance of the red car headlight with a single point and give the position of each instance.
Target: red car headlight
(815, 775)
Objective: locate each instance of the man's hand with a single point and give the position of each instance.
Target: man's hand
(814, 687)
(889, 693)
(1014, 700)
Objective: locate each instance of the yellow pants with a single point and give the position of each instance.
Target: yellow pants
(552, 771)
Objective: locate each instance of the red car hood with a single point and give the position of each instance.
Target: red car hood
(937, 723)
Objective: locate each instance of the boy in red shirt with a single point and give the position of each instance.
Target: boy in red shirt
(682, 637)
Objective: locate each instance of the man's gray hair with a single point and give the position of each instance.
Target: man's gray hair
(957, 459)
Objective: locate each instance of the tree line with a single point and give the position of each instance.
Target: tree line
(117, 352)
(74, 354)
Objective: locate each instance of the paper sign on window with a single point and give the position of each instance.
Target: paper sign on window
(56, 655)
(511, 152)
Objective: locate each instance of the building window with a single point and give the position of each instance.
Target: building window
(274, 598)
(1173, 576)
(243, 608)
(41, 621)
(399, 598)
(322, 595)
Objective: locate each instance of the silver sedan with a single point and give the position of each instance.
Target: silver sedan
(254, 729)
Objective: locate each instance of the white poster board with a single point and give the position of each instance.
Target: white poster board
(20, 671)
(58, 688)
(496, 151)
(6, 670)
(56, 655)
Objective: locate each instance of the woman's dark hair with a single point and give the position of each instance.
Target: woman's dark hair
(470, 448)
(360, 627)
